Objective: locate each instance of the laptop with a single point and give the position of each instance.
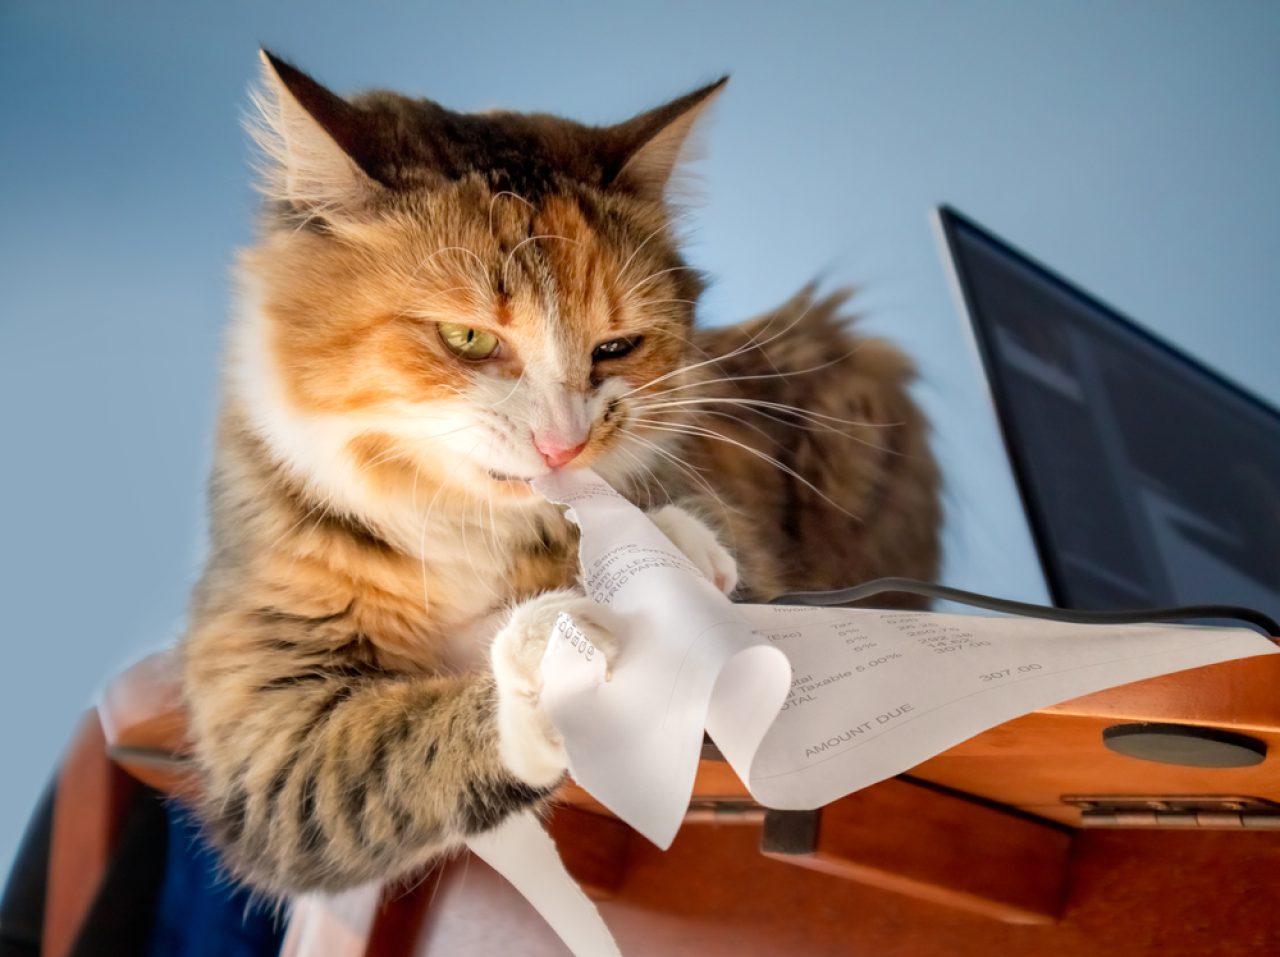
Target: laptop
(1147, 478)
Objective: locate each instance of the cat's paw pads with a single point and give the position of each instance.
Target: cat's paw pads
(699, 544)
(527, 741)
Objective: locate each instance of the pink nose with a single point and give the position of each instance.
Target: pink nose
(556, 454)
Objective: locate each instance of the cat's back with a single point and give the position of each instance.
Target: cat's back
(818, 451)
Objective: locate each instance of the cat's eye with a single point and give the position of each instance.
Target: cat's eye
(467, 341)
(616, 348)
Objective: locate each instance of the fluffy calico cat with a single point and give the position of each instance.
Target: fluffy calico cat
(439, 307)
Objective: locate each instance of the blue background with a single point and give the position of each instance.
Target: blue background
(1134, 147)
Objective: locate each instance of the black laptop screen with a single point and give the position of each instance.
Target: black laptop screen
(1148, 479)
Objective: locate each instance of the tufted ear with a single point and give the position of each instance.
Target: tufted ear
(316, 145)
(649, 147)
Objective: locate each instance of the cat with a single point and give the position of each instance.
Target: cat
(439, 307)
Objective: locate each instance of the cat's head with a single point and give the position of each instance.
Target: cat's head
(478, 297)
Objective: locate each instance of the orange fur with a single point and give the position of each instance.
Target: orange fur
(372, 526)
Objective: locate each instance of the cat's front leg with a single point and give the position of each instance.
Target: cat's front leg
(528, 743)
(699, 544)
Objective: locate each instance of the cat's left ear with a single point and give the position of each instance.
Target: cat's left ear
(648, 148)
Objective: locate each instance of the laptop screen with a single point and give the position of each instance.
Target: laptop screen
(1147, 478)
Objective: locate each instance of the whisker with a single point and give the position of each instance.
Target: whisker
(516, 248)
(320, 506)
(743, 422)
(466, 540)
(745, 347)
(495, 548)
(484, 269)
(811, 425)
(512, 392)
(506, 192)
(636, 252)
(766, 404)
(692, 471)
(655, 302)
(652, 276)
(720, 437)
(413, 311)
(641, 465)
(772, 417)
(790, 424)
(377, 460)
(726, 511)
(426, 524)
(755, 376)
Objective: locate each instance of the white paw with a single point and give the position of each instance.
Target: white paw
(527, 741)
(699, 544)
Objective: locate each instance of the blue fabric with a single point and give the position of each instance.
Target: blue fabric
(199, 913)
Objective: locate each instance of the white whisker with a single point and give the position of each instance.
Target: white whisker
(752, 377)
(484, 269)
(743, 422)
(757, 404)
(652, 276)
(720, 437)
(636, 252)
(745, 347)
(513, 390)
(692, 471)
(506, 192)
(641, 465)
(655, 302)
(516, 248)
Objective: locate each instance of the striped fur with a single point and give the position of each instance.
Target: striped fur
(866, 503)
(372, 532)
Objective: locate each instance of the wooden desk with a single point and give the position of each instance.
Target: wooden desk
(1031, 762)
(983, 829)
(974, 852)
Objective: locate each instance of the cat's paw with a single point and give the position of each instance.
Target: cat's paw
(527, 741)
(699, 544)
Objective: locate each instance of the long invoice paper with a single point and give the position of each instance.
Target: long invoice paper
(806, 704)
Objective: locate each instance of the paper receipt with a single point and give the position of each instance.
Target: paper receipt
(806, 704)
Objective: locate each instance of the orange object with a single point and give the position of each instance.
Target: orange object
(980, 832)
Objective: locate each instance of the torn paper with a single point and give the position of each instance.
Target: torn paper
(806, 704)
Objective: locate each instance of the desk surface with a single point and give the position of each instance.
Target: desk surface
(1031, 762)
(1028, 763)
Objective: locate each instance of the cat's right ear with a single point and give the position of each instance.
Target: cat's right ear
(314, 143)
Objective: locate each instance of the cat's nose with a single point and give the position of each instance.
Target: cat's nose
(554, 453)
